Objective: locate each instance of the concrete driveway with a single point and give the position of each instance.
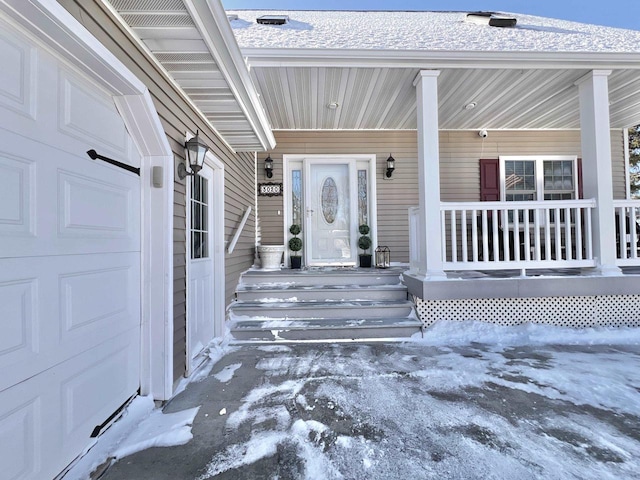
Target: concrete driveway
(409, 411)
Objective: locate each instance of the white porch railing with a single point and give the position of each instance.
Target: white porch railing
(522, 235)
(627, 232)
(512, 235)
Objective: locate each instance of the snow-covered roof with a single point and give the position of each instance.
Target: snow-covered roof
(426, 31)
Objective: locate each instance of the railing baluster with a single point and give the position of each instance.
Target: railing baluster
(516, 234)
(527, 239)
(590, 236)
(557, 231)
(485, 237)
(634, 233)
(496, 241)
(474, 235)
(578, 224)
(505, 233)
(622, 220)
(463, 228)
(536, 234)
(454, 235)
(443, 229)
(568, 244)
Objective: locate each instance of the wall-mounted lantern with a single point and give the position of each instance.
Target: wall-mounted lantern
(391, 166)
(196, 151)
(383, 257)
(268, 166)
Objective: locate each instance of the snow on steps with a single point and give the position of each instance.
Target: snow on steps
(326, 304)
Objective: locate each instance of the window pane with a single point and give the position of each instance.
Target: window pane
(296, 197)
(558, 176)
(205, 246)
(363, 202)
(205, 217)
(520, 176)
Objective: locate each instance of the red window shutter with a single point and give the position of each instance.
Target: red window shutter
(489, 180)
(580, 191)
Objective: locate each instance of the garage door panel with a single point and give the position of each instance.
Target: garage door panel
(64, 205)
(50, 428)
(18, 308)
(92, 208)
(78, 101)
(56, 307)
(21, 438)
(18, 73)
(17, 181)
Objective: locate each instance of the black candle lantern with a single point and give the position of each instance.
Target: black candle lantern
(383, 257)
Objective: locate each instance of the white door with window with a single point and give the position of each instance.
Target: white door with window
(200, 313)
(330, 197)
(330, 203)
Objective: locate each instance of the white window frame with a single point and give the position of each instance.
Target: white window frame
(539, 170)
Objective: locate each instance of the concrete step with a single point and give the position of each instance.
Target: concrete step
(336, 293)
(333, 329)
(295, 310)
(313, 277)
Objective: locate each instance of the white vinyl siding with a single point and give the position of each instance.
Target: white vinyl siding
(460, 152)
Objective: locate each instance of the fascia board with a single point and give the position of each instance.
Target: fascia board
(211, 20)
(276, 57)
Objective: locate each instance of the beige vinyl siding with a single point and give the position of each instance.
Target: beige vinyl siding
(460, 152)
(177, 117)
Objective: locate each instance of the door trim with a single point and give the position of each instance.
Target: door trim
(289, 161)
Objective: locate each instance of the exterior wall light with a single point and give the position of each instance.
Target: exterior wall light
(268, 166)
(196, 150)
(391, 166)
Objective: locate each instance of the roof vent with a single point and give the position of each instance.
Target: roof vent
(273, 19)
(491, 19)
(231, 17)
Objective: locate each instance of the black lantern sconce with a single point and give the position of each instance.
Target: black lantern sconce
(383, 257)
(268, 166)
(196, 150)
(391, 166)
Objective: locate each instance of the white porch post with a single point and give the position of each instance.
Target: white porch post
(430, 234)
(596, 157)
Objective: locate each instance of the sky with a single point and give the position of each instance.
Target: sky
(612, 13)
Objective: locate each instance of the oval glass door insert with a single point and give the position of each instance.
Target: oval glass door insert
(329, 200)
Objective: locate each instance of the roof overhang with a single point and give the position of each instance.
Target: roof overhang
(194, 44)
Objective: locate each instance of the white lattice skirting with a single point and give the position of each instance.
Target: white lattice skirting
(578, 312)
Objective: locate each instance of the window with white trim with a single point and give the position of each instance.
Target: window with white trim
(530, 178)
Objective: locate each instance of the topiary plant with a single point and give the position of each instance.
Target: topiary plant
(364, 242)
(295, 243)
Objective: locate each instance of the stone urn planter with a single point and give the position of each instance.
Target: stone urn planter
(271, 256)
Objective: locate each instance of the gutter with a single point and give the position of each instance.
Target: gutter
(432, 59)
(211, 21)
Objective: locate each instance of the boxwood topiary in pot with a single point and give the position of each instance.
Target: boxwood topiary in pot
(295, 245)
(364, 243)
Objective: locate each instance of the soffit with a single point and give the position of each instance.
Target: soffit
(168, 31)
(298, 97)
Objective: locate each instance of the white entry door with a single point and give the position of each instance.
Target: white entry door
(330, 212)
(200, 314)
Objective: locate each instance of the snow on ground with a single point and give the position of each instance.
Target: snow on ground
(428, 31)
(142, 426)
(471, 400)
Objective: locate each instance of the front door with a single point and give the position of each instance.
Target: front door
(330, 212)
(200, 314)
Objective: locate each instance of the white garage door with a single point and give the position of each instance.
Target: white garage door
(69, 261)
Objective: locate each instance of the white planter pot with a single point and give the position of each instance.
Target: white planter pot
(270, 256)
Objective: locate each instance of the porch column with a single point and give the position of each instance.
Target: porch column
(595, 132)
(430, 235)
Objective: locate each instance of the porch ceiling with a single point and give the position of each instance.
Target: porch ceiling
(298, 97)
